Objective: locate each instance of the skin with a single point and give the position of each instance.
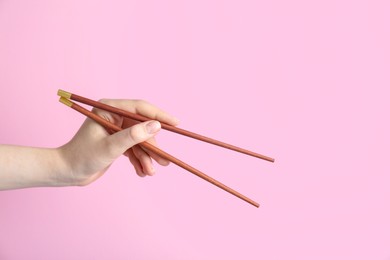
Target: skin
(89, 154)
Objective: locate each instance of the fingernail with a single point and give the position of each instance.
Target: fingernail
(153, 127)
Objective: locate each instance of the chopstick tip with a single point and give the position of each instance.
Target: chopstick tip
(66, 101)
(63, 93)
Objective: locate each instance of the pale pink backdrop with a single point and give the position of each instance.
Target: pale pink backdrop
(304, 81)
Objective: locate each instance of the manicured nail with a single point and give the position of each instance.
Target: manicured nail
(153, 127)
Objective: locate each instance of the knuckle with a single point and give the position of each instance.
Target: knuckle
(140, 103)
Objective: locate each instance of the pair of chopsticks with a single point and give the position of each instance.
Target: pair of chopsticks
(66, 97)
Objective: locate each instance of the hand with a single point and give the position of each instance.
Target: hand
(92, 150)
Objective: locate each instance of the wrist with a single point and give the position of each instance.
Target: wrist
(62, 174)
(25, 167)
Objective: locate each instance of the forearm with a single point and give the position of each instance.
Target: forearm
(23, 167)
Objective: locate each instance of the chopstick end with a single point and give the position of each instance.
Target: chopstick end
(66, 101)
(63, 93)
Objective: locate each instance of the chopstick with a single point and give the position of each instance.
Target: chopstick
(137, 117)
(158, 151)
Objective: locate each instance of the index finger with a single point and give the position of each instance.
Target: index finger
(143, 108)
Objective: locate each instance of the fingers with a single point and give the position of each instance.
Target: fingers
(143, 108)
(136, 163)
(135, 133)
(146, 109)
(155, 156)
(116, 144)
(144, 159)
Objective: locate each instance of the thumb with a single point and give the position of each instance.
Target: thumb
(119, 142)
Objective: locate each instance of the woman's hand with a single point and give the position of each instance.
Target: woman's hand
(92, 150)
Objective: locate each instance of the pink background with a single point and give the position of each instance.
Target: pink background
(304, 81)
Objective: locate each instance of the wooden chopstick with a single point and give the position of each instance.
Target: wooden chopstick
(158, 151)
(137, 117)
